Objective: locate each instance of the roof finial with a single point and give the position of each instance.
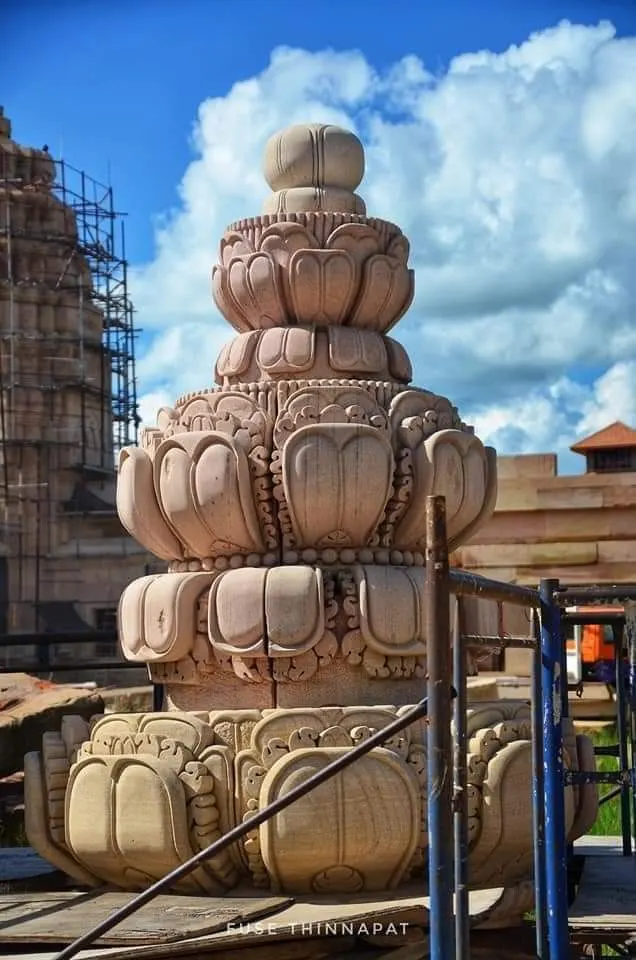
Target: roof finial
(314, 167)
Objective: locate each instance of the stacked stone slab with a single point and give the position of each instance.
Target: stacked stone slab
(289, 503)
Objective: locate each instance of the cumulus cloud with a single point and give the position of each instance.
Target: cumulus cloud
(513, 176)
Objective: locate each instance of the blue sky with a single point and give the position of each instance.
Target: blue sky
(145, 92)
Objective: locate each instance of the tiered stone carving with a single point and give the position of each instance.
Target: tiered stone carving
(289, 501)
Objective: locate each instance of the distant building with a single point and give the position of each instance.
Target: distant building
(579, 529)
(610, 450)
(67, 402)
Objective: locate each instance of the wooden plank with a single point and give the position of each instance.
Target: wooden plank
(334, 948)
(412, 951)
(606, 899)
(302, 948)
(280, 934)
(591, 846)
(63, 917)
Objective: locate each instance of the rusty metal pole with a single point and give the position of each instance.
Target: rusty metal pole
(441, 868)
(460, 788)
(630, 638)
(556, 889)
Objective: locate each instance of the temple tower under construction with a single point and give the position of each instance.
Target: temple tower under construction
(67, 396)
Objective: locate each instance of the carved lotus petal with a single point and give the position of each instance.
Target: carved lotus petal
(455, 464)
(283, 724)
(138, 508)
(358, 239)
(166, 418)
(282, 240)
(327, 405)
(323, 286)
(367, 821)
(255, 288)
(399, 362)
(112, 842)
(417, 414)
(185, 729)
(204, 486)
(286, 348)
(337, 480)
(399, 248)
(247, 292)
(488, 504)
(234, 244)
(158, 616)
(236, 356)
(392, 615)
(236, 617)
(294, 610)
(197, 415)
(225, 302)
(386, 293)
(355, 350)
(258, 612)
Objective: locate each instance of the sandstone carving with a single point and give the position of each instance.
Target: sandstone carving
(289, 502)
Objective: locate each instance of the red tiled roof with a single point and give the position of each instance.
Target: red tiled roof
(617, 434)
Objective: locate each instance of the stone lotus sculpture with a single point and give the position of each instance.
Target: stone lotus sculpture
(289, 503)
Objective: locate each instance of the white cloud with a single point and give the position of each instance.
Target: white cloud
(614, 398)
(513, 176)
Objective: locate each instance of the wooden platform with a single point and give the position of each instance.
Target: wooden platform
(246, 926)
(605, 907)
(591, 846)
(372, 926)
(596, 703)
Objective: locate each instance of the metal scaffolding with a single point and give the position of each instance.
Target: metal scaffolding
(101, 242)
(67, 362)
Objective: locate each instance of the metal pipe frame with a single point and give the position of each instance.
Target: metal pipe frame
(621, 728)
(465, 584)
(623, 641)
(441, 872)
(552, 680)
(499, 643)
(630, 640)
(460, 788)
(609, 618)
(595, 593)
(538, 799)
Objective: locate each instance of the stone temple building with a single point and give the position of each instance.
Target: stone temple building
(578, 528)
(67, 402)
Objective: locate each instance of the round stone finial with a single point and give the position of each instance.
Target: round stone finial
(314, 167)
